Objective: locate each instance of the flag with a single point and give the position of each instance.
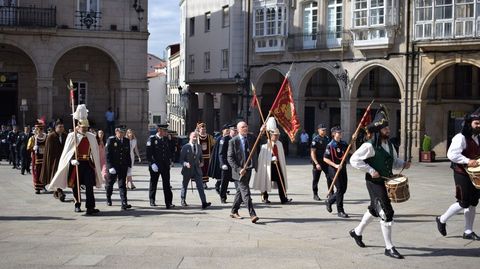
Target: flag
(283, 109)
(366, 119)
(254, 101)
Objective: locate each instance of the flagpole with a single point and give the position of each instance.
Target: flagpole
(269, 139)
(75, 141)
(354, 137)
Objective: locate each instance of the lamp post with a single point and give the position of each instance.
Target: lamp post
(138, 8)
(239, 82)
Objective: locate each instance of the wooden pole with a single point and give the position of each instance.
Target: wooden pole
(75, 142)
(354, 137)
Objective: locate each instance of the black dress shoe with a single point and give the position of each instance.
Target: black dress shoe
(393, 253)
(170, 206)
(78, 210)
(343, 215)
(358, 238)
(288, 200)
(127, 206)
(184, 203)
(471, 236)
(92, 211)
(206, 205)
(37, 191)
(442, 227)
(109, 202)
(152, 203)
(223, 201)
(329, 206)
(316, 197)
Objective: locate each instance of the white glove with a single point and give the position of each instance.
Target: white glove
(112, 171)
(274, 158)
(154, 168)
(74, 162)
(35, 148)
(139, 160)
(224, 167)
(186, 164)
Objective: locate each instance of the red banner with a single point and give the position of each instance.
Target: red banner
(283, 109)
(254, 101)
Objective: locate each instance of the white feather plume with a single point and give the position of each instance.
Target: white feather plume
(271, 124)
(81, 113)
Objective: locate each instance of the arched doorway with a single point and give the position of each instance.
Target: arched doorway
(322, 105)
(268, 86)
(96, 77)
(18, 85)
(379, 84)
(453, 92)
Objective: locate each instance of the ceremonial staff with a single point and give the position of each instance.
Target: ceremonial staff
(72, 97)
(354, 137)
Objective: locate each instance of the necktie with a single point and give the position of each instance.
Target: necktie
(194, 149)
(245, 147)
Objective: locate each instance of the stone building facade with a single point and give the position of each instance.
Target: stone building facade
(101, 45)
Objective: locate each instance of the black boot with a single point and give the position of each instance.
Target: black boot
(109, 201)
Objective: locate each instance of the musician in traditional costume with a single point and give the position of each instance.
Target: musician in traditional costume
(272, 172)
(206, 142)
(53, 150)
(36, 145)
(464, 152)
(87, 160)
(377, 157)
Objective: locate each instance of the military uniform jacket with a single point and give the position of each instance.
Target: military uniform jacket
(158, 151)
(320, 145)
(12, 138)
(118, 153)
(223, 150)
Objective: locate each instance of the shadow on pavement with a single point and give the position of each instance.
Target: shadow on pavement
(31, 218)
(436, 252)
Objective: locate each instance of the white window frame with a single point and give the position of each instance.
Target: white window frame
(88, 5)
(87, 9)
(82, 92)
(206, 61)
(370, 21)
(310, 24)
(425, 25)
(225, 16)
(271, 35)
(334, 37)
(225, 59)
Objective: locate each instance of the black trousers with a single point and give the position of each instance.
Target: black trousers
(14, 156)
(275, 176)
(465, 192)
(243, 194)
(226, 178)
(164, 170)
(379, 199)
(25, 160)
(341, 187)
(86, 176)
(316, 177)
(121, 175)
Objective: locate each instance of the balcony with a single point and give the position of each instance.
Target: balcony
(178, 111)
(319, 41)
(374, 37)
(88, 20)
(28, 16)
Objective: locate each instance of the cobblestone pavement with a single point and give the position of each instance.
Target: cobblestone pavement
(38, 231)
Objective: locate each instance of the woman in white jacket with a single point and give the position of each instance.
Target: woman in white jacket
(133, 150)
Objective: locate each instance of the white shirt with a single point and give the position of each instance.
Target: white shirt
(304, 138)
(459, 143)
(366, 151)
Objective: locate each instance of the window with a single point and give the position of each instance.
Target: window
(440, 19)
(192, 26)
(88, 14)
(81, 92)
(191, 68)
(259, 22)
(270, 25)
(225, 16)
(310, 24)
(207, 21)
(225, 59)
(207, 61)
(270, 21)
(334, 21)
(157, 119)
(371, 18)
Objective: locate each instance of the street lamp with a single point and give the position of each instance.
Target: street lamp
(239, 82)
(138, 8)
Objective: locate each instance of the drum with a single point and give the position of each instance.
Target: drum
(474, 173)
(397, 188)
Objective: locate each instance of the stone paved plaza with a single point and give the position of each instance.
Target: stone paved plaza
(38, 231)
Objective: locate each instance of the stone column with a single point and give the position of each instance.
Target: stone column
(225, 109)
(348, 110)
(44, 97)
(208, 111)
(192, 113)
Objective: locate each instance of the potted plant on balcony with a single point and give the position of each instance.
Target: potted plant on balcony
(427, 154)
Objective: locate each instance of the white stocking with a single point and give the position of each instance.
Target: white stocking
(469, 219)
(387, 233)
(451, 211)
(366, 219)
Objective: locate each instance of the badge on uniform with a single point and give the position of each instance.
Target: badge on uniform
(338, 150)
(149, 143)
(115, 144)
(313, 143)
(156, 142)
(221, 142)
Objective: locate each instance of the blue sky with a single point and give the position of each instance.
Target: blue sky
(163, 25)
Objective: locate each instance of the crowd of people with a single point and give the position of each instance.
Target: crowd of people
(85, 158)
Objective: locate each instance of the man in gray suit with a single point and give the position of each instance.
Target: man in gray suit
(239, 149)
(191, 158)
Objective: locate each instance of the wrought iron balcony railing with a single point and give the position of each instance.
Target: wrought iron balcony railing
(28, 16)
(88, 20)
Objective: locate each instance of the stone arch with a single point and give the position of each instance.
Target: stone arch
(23, 49)
(357, 79)
(308, 74)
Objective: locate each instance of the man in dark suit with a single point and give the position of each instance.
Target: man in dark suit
(191, 158)
(159, 157)
(226, 169)
(239, 149)
(118, 161)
